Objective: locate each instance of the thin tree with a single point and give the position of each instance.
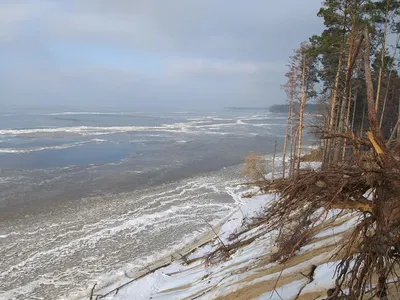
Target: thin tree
(390, 77)
(382, 56)
(306, 63)
(273, 161)
(302, 106)
(289, 87)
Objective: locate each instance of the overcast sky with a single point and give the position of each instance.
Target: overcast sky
(150, 53)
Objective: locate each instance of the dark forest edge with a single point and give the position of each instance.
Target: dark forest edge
(284, 108)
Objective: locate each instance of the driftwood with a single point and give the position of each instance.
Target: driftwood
(116, 290)
(92, 291)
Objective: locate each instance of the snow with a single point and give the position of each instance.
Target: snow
(314, 165)
(145, 287)
(236, 223)
(201, 252)
(288, 291)
(323, 278)
(180, 281)
(253, 207)
(326, 242)
(334, 230)
(197, 277)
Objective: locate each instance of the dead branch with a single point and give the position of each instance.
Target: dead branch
(310, 277)
(216, 234)
(92, 291)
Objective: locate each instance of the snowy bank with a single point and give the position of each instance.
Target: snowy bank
(248, 272)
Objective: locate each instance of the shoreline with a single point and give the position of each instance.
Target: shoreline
(107, 279)
(173, 255)
(247, 272)
(185, 250)
(207, 237)
(196, 250)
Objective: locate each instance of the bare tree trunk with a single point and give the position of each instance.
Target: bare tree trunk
(292, 141)
(372, 116)
(396, 129)
(350, 128)
(294, 159)
(382, 57)
(362, 122)
(374, 134)
(284, 146)
(354, 108)
(390, 76)
(302, 105)
(345, 101)
(398, 118)
(325, 149)
(394, 133)
(347, 125)
(332, 113)
(289, 123)
(273, 162)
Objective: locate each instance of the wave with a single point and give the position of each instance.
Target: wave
(266, 117)
(36, 149)
(221, 119)
(102, 130)
(66, 113)
(208, 125)
(75, 130)
(267, 124)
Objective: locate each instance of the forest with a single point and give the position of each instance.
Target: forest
(351, 70)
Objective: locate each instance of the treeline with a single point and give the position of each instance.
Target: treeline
(332, 69)
(284, 108)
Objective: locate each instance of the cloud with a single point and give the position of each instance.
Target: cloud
(162, 51)
(219, 28)
(221, 67)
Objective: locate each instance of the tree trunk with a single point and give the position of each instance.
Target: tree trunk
(374, 135)
(378, 90)
(284, 146)
(354, 108)
(345, 101)
(372, 116)
(332, 114)
(289, 124)
(294, 159)
(302, 105)
(347, 125)
(273, 162)
(362, 122)
(390, 76)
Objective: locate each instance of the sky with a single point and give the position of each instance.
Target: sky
(150, 53)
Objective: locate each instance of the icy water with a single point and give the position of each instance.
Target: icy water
(88, 196)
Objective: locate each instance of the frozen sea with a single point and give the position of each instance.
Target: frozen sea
(89, 195)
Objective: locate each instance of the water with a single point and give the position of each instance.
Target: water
(88, 196)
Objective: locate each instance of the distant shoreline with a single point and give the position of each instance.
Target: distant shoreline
(246, 108)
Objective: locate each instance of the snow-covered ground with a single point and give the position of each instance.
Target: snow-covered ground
(248, 272)
(167, 283)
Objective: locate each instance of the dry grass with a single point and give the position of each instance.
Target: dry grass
(313, 155)
(290, 239)
(255, 167)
